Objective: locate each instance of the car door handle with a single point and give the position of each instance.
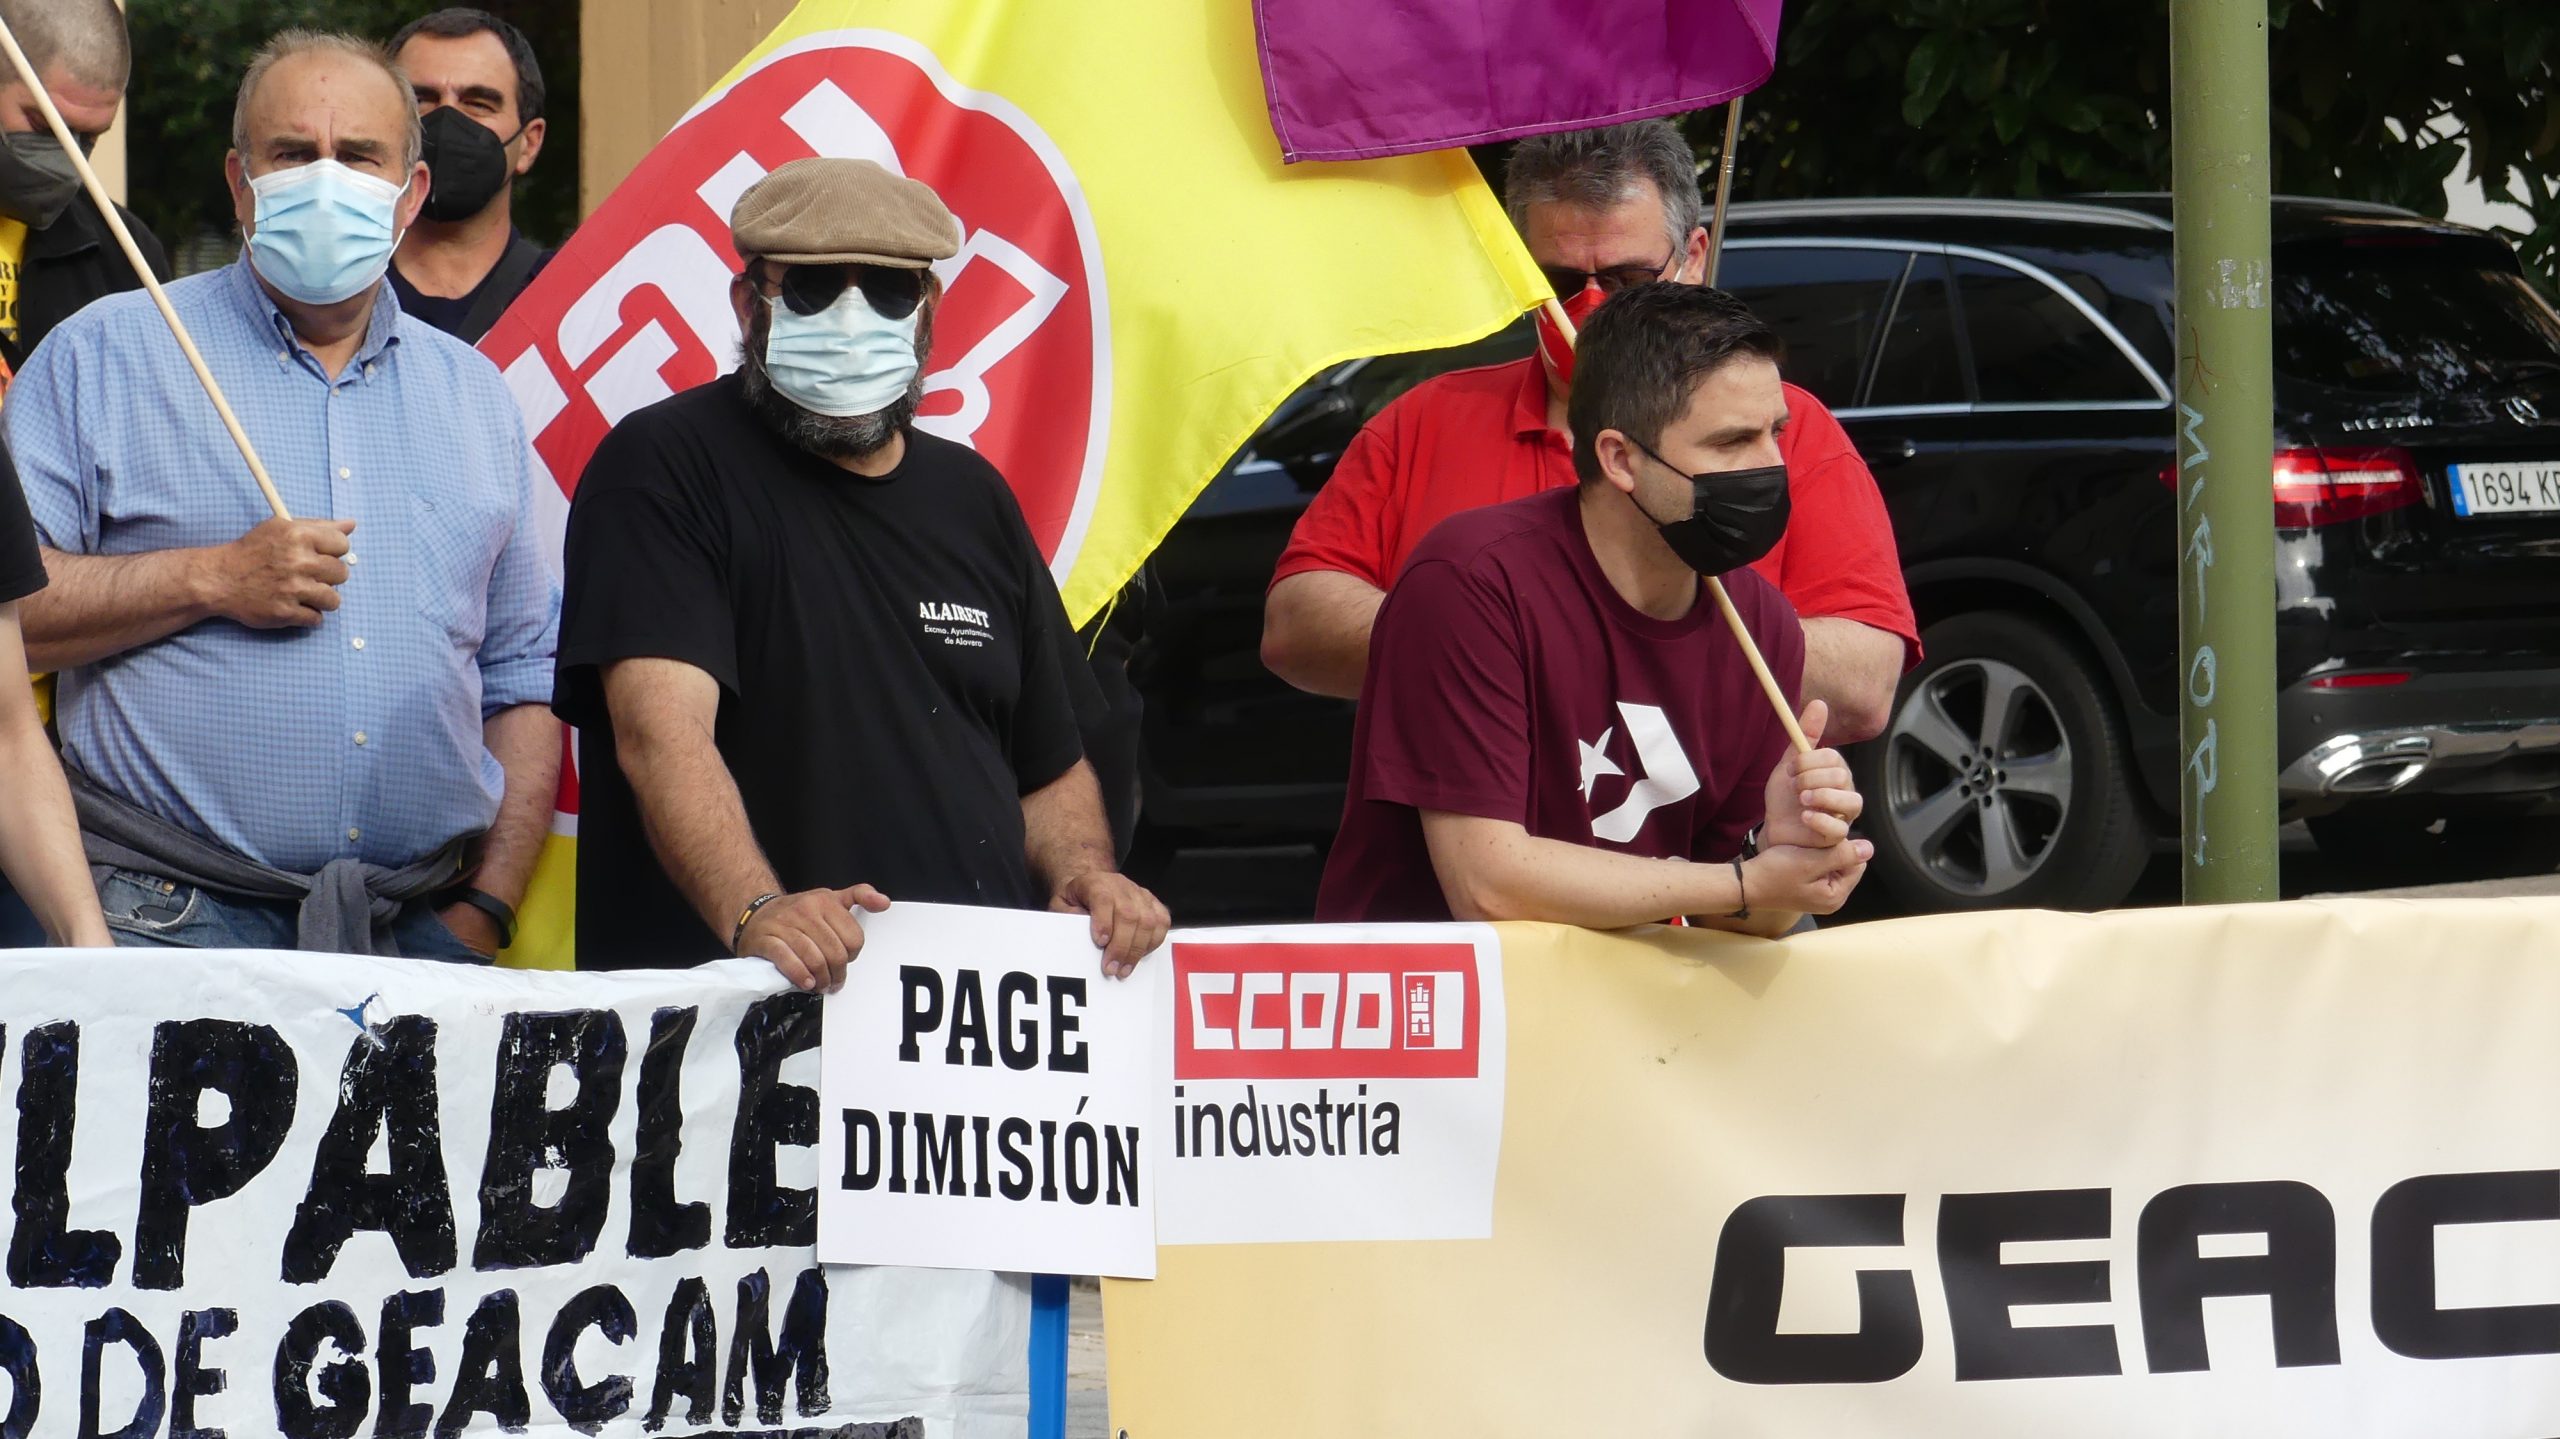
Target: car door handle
(1889, 452)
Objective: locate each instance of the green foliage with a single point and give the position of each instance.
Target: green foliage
(188, 56)
(2367, 101)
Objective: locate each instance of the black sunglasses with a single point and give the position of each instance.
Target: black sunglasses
(1567, 281)
(809, 289)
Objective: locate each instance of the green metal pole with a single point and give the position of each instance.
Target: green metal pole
(2226, 401)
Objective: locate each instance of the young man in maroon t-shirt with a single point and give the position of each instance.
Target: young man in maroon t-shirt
(1556, 723)
(1599, 210)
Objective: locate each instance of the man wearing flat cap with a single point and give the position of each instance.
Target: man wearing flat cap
(816, 661)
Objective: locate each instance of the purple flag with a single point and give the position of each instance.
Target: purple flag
(1352, 79)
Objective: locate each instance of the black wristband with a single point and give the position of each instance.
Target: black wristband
(498, 910)
(1740, 893)
(738, 936)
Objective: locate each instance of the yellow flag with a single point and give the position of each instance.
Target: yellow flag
(1140, 281)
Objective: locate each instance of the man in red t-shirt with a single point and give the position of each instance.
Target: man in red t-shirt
(1600, 210)
(1556, 724)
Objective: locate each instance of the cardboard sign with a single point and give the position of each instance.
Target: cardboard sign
(989, 1098)
(1334, 1082)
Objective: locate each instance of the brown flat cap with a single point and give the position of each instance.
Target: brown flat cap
(826, 211)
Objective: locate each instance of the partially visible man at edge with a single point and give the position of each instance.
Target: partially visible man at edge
(1600, 210)
(815, 660)
(39, 839)
(1524, 636)
(287, 750)
(56, 253)
(480, 99)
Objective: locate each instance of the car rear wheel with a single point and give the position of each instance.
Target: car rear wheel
(2003, 780)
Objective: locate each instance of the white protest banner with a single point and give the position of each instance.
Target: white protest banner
(1334, 1082)
(990, 1098)
(318, 1195)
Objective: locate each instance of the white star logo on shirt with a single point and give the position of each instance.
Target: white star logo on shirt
(1595, 762)
(1668, 776)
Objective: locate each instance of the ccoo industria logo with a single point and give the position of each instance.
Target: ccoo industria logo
(1325, 1011)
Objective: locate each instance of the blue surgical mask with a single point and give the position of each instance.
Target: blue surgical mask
(843, 361)
(323, 233)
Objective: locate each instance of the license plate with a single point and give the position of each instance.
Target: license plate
(2529, 488)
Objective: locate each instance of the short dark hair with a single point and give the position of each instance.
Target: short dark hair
(86, 37)
(460, 21)
(1598, 169)
(1642, 356)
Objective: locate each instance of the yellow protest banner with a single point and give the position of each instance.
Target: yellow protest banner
(2282, 1169)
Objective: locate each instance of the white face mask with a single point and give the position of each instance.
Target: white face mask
(843, 361)
(322, 232)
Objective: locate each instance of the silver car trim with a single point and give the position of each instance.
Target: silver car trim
(2060, 210)
(2379, 762)
(2004, 407)
(2159, 388)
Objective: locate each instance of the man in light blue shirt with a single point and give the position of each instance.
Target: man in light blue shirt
(318, 733)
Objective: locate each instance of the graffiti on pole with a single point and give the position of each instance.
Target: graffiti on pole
(2203, 765)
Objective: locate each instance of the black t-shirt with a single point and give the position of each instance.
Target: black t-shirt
(21, 568)
(450, 313)
(71, 262)
(891, 654)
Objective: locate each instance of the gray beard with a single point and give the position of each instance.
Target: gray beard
(852, 437)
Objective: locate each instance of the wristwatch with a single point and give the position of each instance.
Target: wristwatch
(499, 911)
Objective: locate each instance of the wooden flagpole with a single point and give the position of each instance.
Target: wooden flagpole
(141, 268)
(1715, 586)
(1724, 184)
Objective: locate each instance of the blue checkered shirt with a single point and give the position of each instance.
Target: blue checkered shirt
(360, 739)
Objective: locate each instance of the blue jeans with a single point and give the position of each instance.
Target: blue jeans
(18, 926)
(147, 912)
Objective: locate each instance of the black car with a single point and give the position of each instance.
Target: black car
(2005, 367)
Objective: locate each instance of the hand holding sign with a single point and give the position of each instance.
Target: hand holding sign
(812, 936)
(1129, 923)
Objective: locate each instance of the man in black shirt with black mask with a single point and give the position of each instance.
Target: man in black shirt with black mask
(816, 661)
(480, 107)
(56, 253)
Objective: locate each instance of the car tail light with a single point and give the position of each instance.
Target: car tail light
(2360, 680)
(2324, 486)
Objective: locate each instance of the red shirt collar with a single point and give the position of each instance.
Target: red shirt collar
(1529, 406)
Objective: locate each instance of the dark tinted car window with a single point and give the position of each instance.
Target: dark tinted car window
(2130, 285)
(2032, 346)
(1826, 304)
(2410, 315)
(1921, 364)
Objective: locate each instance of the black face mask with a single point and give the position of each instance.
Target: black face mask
(466, 164)
(1736, 516)
(37, 180)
